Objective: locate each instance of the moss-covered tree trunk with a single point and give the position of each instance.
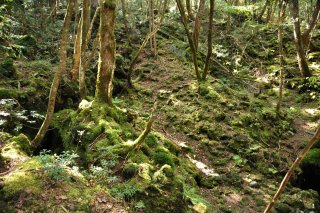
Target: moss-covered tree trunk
(84, 31)
(107, 52)
(303, 65)
(57, 77)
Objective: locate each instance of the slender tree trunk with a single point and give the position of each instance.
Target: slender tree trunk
(189, 10)
(23, 16)
(144, 43)
(264, 8)
(311, 25)
(197, 24)
(281, 16)
(151, 27)
(76, 53)
(76, 18)
(57, 77)
(84, 43)
(125, 20)
(296, 163)
(107, 52)
(303, 65)
(209, 53)
(190, 38)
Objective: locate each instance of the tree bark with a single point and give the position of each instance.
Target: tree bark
(189, 10)
(107, 52)
(311, 25)
(197, 24)
(190, 38)
(209, 53)
(281, 17)
(296, 163)
(303, 65)
(125, 20)
(84, 43)
(57, 77)
(76, 53)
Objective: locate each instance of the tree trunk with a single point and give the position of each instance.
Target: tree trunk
(264, 8)
(107, 52)
(57, 77)
(76, 53)
(148, 36)
(84, 43)
(311, 25)
(303, 65)
(197, 24)
(76, 18)
(190, 39)
(206, 66)
(281, 16)
(189, 10)
(125, 21)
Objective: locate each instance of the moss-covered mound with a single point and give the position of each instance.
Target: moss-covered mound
(154, 175)
(29, 182)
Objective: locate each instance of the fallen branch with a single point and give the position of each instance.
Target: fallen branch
(291, 170)
(137, 143)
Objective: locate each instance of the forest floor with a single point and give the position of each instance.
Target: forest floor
(163, 78)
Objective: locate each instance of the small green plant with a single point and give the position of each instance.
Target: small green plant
(103, 172)
(56, 165)
(124, 191)
(140, 205)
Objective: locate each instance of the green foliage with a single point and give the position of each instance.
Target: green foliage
(103, 171)
(124, 191)
(56, 165)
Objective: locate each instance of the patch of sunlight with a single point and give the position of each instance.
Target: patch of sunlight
(263, 79)
(315, 66)
(194, 85)
(233, 198)
(11, 152)
(310, 125)
(203, 167)
(312, 111)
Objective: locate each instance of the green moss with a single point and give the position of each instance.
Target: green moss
(138, 156)
(312, 158)
(130, 170)
(162, 157)
(151, 140)
(22, 143)
(7, 68)
(21, 181)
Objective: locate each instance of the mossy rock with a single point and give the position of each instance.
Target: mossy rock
(7, 68)
(162, 157)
